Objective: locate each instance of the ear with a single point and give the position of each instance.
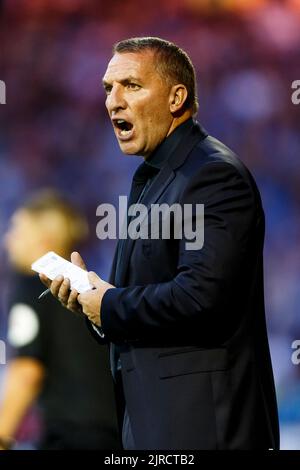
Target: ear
(178, 96)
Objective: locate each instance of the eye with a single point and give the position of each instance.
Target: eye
(107, 89)
(133, 86)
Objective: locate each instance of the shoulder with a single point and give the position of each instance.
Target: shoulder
(210, 159)
(212, 151)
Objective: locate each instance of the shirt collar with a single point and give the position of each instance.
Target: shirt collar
(162, 153)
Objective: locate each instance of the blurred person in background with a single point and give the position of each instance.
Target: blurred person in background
(54, 357)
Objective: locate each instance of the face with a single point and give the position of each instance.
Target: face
(29, 237)
(138, 102)
(21, 239)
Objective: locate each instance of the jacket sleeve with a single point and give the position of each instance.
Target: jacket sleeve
(205, 279)
(97, 332)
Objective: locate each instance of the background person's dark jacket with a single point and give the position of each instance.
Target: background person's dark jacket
(77, 398)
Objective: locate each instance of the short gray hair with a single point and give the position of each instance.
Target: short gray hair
(172, 63)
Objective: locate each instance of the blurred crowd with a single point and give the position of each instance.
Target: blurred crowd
(54, 130)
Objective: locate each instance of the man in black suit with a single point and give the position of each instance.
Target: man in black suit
(187, 324)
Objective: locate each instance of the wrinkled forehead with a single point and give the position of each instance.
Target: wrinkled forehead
(130, 64)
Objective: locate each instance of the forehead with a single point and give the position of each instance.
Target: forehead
(130, 64)
(20, 215)
(20, 218)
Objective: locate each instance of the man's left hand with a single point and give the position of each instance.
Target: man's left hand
(91, 300)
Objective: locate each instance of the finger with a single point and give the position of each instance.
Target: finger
(72, 301)
(82, 300)
(55, 285)
(64, 292)
(45, 280)
(94, 279)
(77, 260)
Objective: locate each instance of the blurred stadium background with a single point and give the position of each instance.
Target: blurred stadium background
(54, 131)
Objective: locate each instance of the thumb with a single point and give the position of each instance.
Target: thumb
(94, 279)
(77, 260)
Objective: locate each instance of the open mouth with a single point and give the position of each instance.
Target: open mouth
(124, 128)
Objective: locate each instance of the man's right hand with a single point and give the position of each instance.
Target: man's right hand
(60, 287)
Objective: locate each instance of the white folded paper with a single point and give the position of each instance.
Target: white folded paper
(53, 265)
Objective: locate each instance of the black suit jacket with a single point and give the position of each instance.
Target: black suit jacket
(190, 324)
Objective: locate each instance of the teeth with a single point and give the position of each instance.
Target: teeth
(120, 121)
(124, 132)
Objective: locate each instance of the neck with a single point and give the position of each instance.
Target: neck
(179, 120)
(176, 121)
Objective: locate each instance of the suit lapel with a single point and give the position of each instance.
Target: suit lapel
(159, 185)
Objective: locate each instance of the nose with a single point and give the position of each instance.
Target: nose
(115, 101)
